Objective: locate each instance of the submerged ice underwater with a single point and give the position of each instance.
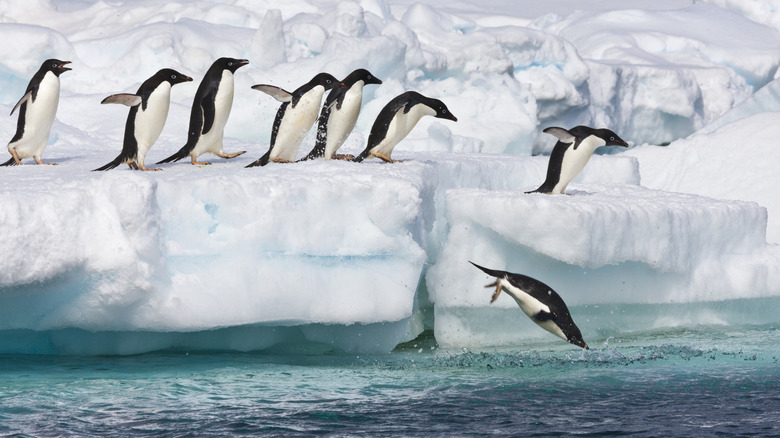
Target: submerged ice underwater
(336, 296)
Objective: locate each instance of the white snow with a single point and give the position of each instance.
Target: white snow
(360, 256)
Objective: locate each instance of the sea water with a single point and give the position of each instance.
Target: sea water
(703, 381)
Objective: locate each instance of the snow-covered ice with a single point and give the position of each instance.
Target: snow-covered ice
(364, 256)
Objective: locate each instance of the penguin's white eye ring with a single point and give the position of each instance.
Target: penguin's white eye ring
(612, 139)
(173, 76)
(54, 65)
(230, 64)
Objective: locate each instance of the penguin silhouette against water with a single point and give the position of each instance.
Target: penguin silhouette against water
(397, 119)
(37, 109)
(573, 150)
(539, 302)
(339, 114)
(210, 111)
(294, 118)
(148, 112)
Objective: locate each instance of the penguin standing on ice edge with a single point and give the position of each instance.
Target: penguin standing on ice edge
(295, 117)
(210, 112)
(396, 121)
(539, 302)
(148, 112)
(37, 109)
(573, 150)
(339, 114)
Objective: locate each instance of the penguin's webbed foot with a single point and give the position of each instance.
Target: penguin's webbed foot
(497, 285)
(280, 160)
(386, 158)
(346, 157)
(39, 161)
(229, 156)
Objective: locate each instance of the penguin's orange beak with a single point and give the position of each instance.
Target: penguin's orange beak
(62, 66)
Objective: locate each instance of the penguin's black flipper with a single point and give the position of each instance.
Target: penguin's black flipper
(10, 162)
(262, 161)
(322, 135)
(21, 101)
(207, 105)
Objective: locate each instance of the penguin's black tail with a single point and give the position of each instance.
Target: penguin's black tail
(363, 155)
(10, 162)
(181, 153)
(490, 272)
(117, 161)
(262, 161)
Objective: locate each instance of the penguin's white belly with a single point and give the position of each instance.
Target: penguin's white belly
(342, 121)
(531, 307)
(400, 126)
(39, 117)
(149, 122)
(575, 160)
(223, 102)
(295, 124)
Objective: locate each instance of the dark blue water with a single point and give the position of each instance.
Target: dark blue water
(703, 382)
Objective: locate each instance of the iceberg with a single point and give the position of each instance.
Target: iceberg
(322, 256)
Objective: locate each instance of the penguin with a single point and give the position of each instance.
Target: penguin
(397, 119)
(210, 111)
(571, 153)
(37, 109)
(295, 116)
(539, 302)
(148, 111)
(339, 114)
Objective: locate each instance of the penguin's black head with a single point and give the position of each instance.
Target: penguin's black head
(231, 64)
(172, 76)
(361, 74)
(326, 80)
(576, 339)
(55, 66)
(442, 112)
(610, 137)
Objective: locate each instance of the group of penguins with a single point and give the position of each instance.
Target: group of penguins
(296, 115)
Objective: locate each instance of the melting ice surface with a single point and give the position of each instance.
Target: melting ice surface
(361, 257)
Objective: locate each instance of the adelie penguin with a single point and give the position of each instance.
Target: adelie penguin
(37, 109)
(573, 150)
(339, 114)
(295, 117)
(210, 112)
(148, 112)
(539, 302)
(397, 119)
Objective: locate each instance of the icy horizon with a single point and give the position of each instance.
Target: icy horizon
(362, 256)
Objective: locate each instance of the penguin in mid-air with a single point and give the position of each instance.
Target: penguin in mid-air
(339, 114)
(571, 153)
(295, 117)
(37, 109)
(537, 300)
(397, 119)
(210, 112)
(148, 111)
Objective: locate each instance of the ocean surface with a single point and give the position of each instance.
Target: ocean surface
(702, 381)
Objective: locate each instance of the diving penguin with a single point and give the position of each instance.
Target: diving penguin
(571, 153)
(294, 118)
(37, 109)
(210, 112)
(539, 302)
(148, 112)
(339, 114)
(397, 119)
